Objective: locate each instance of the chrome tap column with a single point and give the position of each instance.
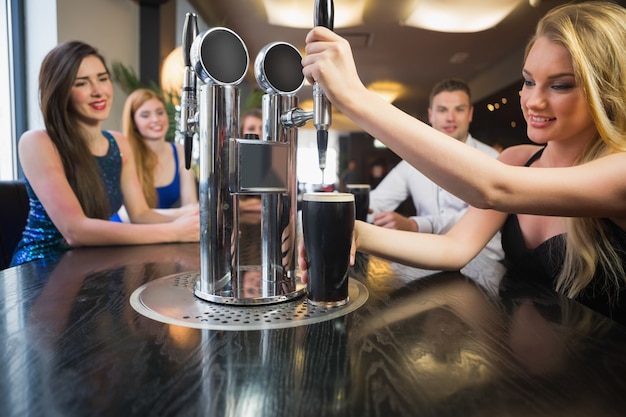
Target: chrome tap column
(245, 258)
(220, 60)
(278, 71)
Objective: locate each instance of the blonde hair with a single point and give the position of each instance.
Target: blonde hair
(145, 159)
(594, 33)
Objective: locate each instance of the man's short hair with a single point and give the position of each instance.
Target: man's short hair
(449, 84)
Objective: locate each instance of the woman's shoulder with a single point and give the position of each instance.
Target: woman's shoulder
(179, 147)
(180, 151)
(38, 140)
(518, 154)
(35, 135)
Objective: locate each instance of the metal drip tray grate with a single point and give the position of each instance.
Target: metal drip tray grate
(171, 300)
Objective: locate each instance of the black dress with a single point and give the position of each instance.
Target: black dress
(542, 264)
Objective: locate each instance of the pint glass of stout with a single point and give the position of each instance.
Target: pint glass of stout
(361, 194)
(327, 225)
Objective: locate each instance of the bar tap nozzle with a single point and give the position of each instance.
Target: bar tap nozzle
(324, 16)
(188, 101)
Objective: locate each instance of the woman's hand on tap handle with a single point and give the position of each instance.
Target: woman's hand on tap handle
(329, 62)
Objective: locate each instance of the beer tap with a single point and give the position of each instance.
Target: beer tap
(188, 102)
(324, 16)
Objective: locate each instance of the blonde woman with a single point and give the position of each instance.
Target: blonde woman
(561, 204)
(165, 181)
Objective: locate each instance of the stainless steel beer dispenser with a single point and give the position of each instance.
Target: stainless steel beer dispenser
(246, 258)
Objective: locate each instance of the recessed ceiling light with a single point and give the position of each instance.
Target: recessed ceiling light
(299, 13)
(460, 16)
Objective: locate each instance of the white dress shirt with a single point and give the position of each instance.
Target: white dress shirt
(437, 209)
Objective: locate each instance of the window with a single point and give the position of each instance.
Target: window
(12, 99)
(309, 174)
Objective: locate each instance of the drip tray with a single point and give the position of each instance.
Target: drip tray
(171, 300)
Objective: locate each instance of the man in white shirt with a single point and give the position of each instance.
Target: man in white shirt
(450, 111)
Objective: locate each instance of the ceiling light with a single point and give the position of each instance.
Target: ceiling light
(299, 13)
(460, 16)
(388, 90)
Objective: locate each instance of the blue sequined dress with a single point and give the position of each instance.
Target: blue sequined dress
(41, 238)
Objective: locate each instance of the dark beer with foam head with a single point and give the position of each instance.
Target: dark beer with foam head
(327, 226)
(361, 194)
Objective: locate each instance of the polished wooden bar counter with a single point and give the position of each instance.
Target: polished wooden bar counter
(423, 344)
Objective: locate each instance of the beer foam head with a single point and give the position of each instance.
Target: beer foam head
(358, 186)
(329, 197)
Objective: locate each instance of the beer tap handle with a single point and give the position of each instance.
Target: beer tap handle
(188, 104)
(324, 16)
(190, 31)
(324, 13)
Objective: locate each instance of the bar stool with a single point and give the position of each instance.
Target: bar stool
(14, 208)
